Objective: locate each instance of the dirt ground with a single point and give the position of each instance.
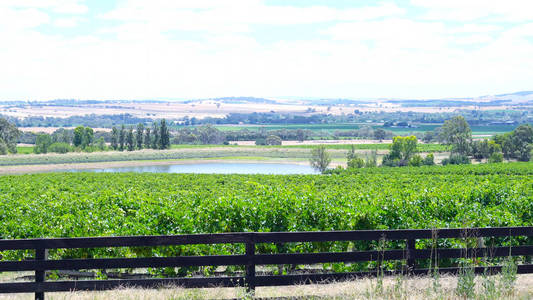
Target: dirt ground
(318, 142)
(418, 288)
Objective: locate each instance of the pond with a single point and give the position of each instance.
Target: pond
(212, 168)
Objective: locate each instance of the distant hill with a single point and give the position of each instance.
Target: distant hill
(242, 100)
(524, 93)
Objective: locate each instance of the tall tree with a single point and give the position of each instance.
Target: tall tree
(130, 140)
(147, 138)
(114, 138)
(9, 134)
(42, 142)
(139, 135)
(320, 158)
(457, 132)
(88, 136)
(122, 138)
(79, 132)
(155, 131)
(164, 135)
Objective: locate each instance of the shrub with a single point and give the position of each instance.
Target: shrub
(415, 161)
(59, 148)
(260, 142)
(496, 157)
(429, 160)
(356, 163)
(456, 159)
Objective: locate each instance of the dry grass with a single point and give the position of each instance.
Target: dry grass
(392, 288)
(209, 108)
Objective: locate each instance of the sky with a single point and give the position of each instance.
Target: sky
(177, 49)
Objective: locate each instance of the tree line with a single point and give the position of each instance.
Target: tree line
(157, 137)
(517, 144)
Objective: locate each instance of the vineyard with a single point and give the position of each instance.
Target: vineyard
(107, 204)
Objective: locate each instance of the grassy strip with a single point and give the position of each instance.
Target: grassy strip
(12, 160)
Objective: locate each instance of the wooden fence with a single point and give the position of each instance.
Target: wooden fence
(250, 259)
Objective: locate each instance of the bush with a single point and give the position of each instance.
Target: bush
(388, 161)
(59, 148)
(456, 159)
(372, 159)
(496, 157)
(356, 163)
(429, 160)
(260, 142)
(415, 161)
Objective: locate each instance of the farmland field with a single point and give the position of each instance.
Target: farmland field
(110, 204)
(476, 130)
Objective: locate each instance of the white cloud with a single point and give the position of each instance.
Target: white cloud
(58, 6)
(374, 51)
(67, 22)
(236, 16)
(493, 10)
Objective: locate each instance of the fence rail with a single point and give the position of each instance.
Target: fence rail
(250, 259)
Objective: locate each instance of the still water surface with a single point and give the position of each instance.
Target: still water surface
(212, 168)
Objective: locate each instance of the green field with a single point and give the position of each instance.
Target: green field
(104, 204)
(24, 149)
(330, 128)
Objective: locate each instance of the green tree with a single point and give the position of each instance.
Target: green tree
(164, 135)
(3, 147)
(114, 138)
(101, 143)
(122, 138)
(516, 144)
(155, 131)
(401, 151)
(79, 132)
(457, 132)
(130, 140)
(139, 136)
(147, 138)
(88, 136)
(60, 148)
(380, 134)
(9, 134)
(273, 140)
(320, 158)
(208, 134)
(42, 142)
(352, 161)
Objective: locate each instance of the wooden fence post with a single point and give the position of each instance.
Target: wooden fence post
(411, 262)
(250, 266)
(40, 254)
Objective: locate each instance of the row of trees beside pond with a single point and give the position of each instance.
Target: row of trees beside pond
(156, 137)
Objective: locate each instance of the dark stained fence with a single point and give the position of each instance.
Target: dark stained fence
(250, 259)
